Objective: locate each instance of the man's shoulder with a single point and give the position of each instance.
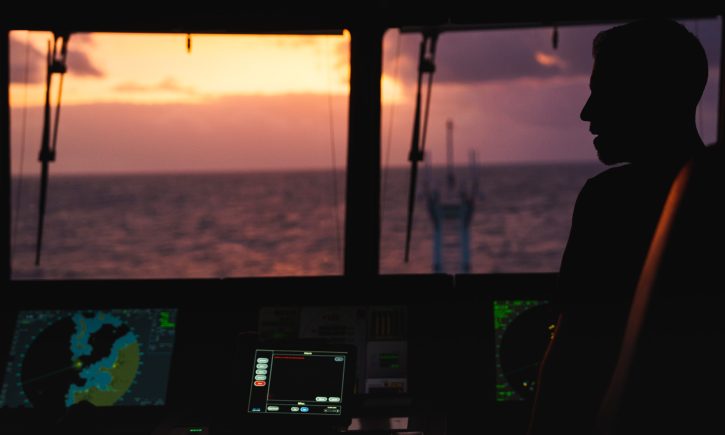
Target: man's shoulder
(613, 178)
(615, 174)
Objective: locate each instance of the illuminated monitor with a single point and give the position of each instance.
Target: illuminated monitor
(301, 382)
(523, 329)
(109, 358)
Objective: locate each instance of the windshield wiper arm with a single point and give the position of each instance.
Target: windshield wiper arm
(426, 65)
(57, 56)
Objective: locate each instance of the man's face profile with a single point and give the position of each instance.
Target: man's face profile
(611, 111)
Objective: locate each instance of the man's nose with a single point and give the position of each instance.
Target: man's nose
(586, 113)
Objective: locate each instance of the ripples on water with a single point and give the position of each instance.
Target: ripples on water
(277, 223)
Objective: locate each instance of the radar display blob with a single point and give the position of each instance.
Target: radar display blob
(106, 358)
(523, 330)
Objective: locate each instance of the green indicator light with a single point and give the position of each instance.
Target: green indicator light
(500, 311)
(165, 321)
(195, 430)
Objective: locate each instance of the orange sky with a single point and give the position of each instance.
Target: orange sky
(246, 100)
(157, 68)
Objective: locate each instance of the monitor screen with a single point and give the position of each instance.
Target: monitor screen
(304, 382)
(522, 331)
(59, 358)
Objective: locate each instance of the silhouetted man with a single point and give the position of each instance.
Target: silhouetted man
(647, 80)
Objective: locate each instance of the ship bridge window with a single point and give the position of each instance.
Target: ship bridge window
(505, 150)
(181, 156)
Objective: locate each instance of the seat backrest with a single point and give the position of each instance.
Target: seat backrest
(669, 373)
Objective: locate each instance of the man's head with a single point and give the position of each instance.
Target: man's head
(647, 80)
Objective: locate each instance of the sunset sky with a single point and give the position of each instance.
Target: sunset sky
(141, 103)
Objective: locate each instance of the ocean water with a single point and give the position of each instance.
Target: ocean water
(279, 223)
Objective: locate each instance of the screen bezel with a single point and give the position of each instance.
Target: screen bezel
(337, 420)
(523, 296)
(481, 291)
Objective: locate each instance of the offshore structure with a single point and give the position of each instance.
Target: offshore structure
(451, 211)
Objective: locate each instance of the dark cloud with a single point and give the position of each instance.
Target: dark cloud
(24, 57)
(83, 39)
(499, 55)
(80, 64)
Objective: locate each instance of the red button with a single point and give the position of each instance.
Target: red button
(260, 383)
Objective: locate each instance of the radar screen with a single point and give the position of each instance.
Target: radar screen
(108, 358)
(523, 330)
